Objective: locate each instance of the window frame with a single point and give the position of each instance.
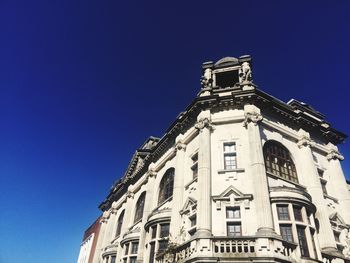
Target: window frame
(140, 205)
(228, 153)
(166, 186)
(279, 161)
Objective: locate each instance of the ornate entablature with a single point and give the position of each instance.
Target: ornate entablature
(226, 83)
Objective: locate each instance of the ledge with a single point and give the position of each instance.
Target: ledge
(237, 170)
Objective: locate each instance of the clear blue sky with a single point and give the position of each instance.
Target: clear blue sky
(84, 83)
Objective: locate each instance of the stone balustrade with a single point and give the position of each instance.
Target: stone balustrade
(229, 247)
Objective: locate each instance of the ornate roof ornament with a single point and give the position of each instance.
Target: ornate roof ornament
(245, 74)
(206, 79)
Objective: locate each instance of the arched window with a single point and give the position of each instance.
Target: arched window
(119, 224)
(279, 162)
(139, 207)
(166, 185)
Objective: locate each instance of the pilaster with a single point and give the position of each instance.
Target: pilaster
(257, 165)
(337, 178)
(178, 192)
(151, 175)
(204, 175)
(314, 188)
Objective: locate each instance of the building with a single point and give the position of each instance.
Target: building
(239, 176)
(88, 246)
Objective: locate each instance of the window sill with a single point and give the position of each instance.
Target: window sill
(237, 170)
(188, 185)
(286, 180)
(330, 197)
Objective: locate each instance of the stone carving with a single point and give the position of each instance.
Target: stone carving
(344, 239)
(130, 194)
(253, 117)
(305, 141)
(180, 146)
(206, 79)
(334, 155)
(245, 74)
(151, 173)
(203, 123)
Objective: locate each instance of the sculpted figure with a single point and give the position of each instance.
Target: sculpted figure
(245, 73)
(206, 79)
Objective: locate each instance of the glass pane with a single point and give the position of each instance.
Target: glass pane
(283, 213)
(164, 230)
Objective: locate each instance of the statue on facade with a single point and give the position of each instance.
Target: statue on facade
(344, 239)
(245, 73)
(206, 79)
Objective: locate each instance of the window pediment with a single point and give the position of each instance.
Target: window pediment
(232, 196)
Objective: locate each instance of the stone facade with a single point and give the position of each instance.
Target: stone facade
(240, 176)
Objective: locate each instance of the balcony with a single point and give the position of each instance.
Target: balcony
(217, 249)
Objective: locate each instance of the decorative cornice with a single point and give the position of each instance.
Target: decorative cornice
(203, 123)
(334, 155)
(253, 117)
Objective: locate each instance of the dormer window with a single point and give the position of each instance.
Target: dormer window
(226, 79)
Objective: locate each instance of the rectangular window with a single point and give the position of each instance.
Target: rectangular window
(336, 236)
(234, 229)
(324, 188)
(233, 212)
(163, 244)
(304, 250)
(151, 253)
(193, 220)
(286, 232)
(113, 259)
(154, 232)
(126, 249)
(134, 247)
(314, 244)
(125, 260)
(230, 160)
(194, 166)
(298, 216)
(132, 260)
(164, 230)
(283, 213)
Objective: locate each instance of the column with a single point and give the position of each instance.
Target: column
(314, 188)
(257, 165)
(106, 219)
(178, 192)
(204, 175)
(151, 176)
(337, 179)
